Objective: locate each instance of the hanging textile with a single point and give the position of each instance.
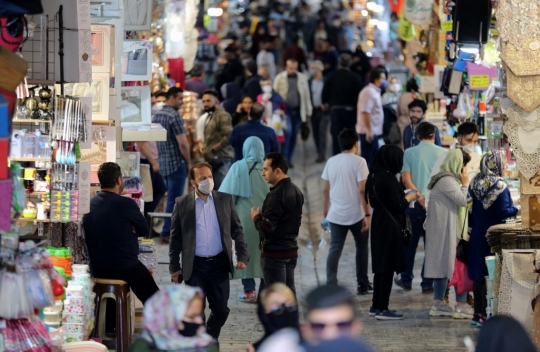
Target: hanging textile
(418, 11)
(534, 300)
(526, 120)
(526, 148)
(523, 90)
(518, 20)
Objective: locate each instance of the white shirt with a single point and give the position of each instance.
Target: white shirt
(207, 232)
(344, 171)
(266, 58)
(369, 100)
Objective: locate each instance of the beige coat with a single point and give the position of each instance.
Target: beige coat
(281, 86)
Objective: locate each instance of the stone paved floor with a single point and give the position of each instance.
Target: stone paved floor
(417, 332)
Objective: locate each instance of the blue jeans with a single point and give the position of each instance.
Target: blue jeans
(367, 149)
(439, 291)
(417, 215)
(338, 236)
(176, 183)
(294, 122)
(250, 286)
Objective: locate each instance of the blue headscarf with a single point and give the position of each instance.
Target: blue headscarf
(237, 181)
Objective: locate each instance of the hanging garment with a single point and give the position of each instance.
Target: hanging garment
(526, 120)
(523, 90)
(523, 58)
(517, 20)
(526, 148)
(517, 283)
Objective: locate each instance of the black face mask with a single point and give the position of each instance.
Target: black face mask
(210, 109)
(286, 317)
(190, 329)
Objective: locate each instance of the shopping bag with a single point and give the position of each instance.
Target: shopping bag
(461, 279)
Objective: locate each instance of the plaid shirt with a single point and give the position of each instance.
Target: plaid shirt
(170, 157)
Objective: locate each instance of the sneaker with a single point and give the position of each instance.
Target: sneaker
(373, 312)
(364, 290)
(478, 320)
(388, 315)
(440, 310)
(463, 312)
(248, 297)
(398, 282)
(427, 290)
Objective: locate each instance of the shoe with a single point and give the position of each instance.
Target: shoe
(440, 310)
(164, 240)
(478, 320)
(464, 312)
(373, 312)
(248, 297)
(364, 290)
(398, 282)
(427, 290)
(320, 160)
(388, 315)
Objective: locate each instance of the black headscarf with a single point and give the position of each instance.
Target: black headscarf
(388, 158)
(501, 334)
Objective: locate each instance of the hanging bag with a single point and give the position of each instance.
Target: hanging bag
(462, 251)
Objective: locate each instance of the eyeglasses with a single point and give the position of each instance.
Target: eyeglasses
(283, 308)
(342, 326)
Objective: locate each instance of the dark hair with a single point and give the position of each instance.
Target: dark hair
(268, 39)
(251, 66)
(293, 61)
(347, 139)
(198, 166)
(197, 70)
(295, 38)
(345, 60)
(160, 94)
(257, 111)
(411, 85)
(425, 131)
(171, 93)
(278, 162)
(212, 92)
(329, 296)
(417, 103)
(108, 174)
(466, 157)
(467, 128)
(375, 74)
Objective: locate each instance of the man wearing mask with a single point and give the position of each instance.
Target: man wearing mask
(278, 222)
(293, 86)
(217, 131)
(266, 58)
(340, 95)
(370, 115)
(174, 156)
(417, 109)
(392, 94)
(204, 224)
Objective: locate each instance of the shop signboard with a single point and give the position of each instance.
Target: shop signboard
(418, 11)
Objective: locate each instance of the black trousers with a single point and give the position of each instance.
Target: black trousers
(382, 286)
(319, 124)
(480, 300)
(279, 270)
(212, 276)
(341, 118)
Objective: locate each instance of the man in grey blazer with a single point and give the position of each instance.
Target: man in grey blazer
(204, 223)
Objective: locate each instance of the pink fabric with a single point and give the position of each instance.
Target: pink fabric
(369, 101)
(6, 190)
(461, 279)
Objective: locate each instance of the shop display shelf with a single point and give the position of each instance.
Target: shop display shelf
(34, 220)
(29, 160)
(103, 122)
(31, 121)
(38, 193)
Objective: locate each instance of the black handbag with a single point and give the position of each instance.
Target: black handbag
(462, 251)
(405, 232)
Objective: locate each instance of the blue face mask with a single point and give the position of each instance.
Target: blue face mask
(384, 84)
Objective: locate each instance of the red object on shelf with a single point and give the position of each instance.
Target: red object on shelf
(4, 152)
(176, 71)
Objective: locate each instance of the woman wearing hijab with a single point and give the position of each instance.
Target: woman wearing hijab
(446, 219)
(387, 198)
(232, 96)
(172, 321)
(249, 189)
(490, 204)
(501, 334)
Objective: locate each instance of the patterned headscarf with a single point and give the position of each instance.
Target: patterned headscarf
(164, 312)
(489, 184)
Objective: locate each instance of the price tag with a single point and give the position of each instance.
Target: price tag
(447, 26)
(479, 81)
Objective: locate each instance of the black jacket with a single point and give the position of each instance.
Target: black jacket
(253, 87)
(280, 218)
(341, 88)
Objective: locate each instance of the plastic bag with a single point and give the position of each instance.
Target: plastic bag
(461, 279)
(14, 303)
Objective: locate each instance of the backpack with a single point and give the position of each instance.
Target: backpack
(391, 131)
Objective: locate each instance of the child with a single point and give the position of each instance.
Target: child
(274, 115)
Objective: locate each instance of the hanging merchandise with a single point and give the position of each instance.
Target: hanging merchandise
(68, 130)
(523, 90)
(418, 11)
(526, 120)
(406, 29)
(525, 147)
(518, 20)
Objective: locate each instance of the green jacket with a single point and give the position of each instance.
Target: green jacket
(141, 345)
(218, 130)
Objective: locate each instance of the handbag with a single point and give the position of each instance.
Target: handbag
(304, 131)
(462, 251)
(405, 232)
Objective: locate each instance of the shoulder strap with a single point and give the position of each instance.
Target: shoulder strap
(382, 204)
(253, 167)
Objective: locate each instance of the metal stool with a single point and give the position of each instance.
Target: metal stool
(151, 217)
(119, 291)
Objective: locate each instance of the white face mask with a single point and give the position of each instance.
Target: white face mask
(206, 186)
(396, 87)
(267, 89)
(469, 148)
(158, 106)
